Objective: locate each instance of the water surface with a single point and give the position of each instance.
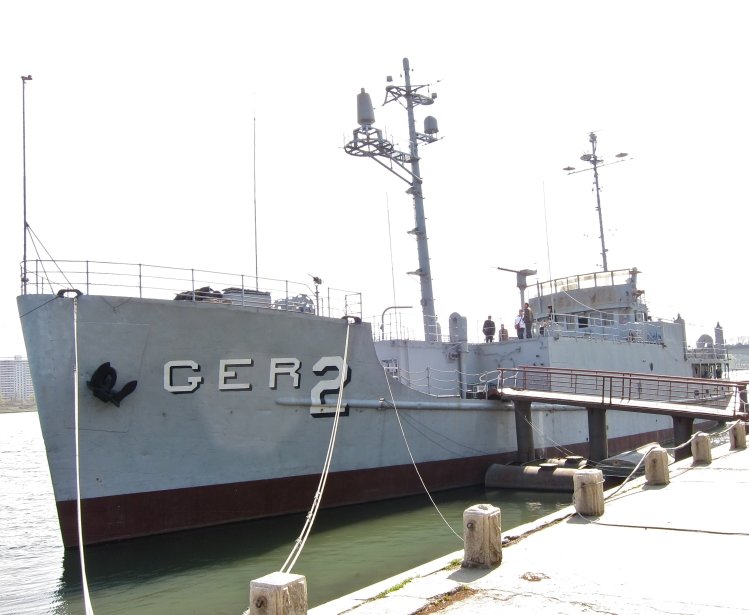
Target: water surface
(208, 571)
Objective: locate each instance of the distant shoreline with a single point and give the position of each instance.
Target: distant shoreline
(8, 409)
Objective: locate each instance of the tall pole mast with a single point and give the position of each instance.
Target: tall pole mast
(24, 276)
(369, 142)
(420, 231)
(254, 191)
(594, 161)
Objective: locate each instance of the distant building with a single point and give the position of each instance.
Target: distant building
(15, 380)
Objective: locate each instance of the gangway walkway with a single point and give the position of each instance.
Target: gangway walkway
(684, 399)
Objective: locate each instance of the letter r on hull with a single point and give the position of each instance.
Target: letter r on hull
(284, 367)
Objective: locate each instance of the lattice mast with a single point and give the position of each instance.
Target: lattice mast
(369, 142)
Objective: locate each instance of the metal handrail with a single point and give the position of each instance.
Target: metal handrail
(610, 387)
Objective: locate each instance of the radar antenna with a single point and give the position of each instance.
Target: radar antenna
(597, 162)
(369, 142)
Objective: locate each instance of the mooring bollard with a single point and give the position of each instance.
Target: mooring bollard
(278, 593)
(588, 492)
(701, 452)
(482, 536)
(656, 467)
(737, 434)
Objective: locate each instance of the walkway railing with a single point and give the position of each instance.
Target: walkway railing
(609, 387)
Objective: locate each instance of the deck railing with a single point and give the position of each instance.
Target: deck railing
(605, 326)
(158, 282)
(587, 280)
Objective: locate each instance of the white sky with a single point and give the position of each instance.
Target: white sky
(139, 144)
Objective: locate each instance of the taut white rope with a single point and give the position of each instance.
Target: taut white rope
(84, 580)
(413, 461)
(296, 551)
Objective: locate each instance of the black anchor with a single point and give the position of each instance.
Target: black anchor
(102, 385)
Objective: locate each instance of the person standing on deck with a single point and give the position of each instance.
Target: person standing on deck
(528, 320)
(520, 324)
(503, 335)
(545, 328)
(489, 329)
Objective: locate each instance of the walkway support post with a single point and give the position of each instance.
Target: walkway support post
(656, 467)
(278, 593)
(682, 432)
(598, 438)
(482, 536)
(524, 430)
(737, 434)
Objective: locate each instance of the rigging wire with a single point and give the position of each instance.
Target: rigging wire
(22, 316)
(34, 237)
(439, 438)
(560, 447)
(390, 239)
(296, 551)
(548, 249)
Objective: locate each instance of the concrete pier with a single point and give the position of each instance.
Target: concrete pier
(673, 548)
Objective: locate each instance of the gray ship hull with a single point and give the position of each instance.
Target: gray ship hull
(232, 415)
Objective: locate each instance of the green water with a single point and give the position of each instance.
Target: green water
(208, 572)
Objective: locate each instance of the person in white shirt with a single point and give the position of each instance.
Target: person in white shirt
(520, 324)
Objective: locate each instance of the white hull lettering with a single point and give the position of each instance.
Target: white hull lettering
(184, 376)
(331, 386)
(284, 367)
(225, 374)
(193, 382)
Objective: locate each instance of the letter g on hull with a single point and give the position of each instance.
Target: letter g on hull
(193, 382)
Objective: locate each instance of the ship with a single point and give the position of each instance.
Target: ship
(172, 399)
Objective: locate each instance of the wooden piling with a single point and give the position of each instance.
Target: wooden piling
(588, 492)
(278, 593)
(656, 467)
(482, 536)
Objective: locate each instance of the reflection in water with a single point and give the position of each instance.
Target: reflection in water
(209, 570)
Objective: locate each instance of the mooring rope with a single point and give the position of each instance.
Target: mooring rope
(296, 550)
(597, 521)
(634, 470)
(84, 580)
(633, 473)
(413, 461)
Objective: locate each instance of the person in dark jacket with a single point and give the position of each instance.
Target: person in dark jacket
(528, 319)
(489, 329)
